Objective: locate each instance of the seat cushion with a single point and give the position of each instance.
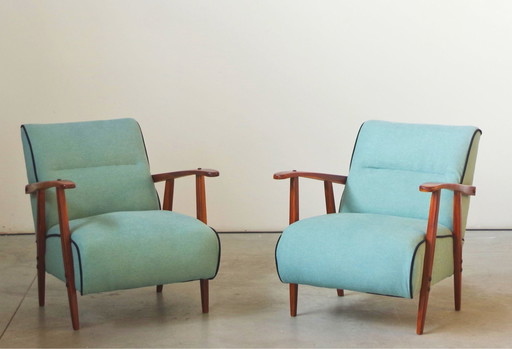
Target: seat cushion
(361, 252)
(122, 250)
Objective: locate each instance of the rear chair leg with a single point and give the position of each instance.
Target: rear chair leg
(457, 250)
(204, 295)
(41, 271)
(41, 283)
(457, 272)
(341, 293)
(457, 288)
(294, 291)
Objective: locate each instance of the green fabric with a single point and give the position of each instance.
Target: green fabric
(360, 252)
(106, 159)
(376, 243)
(122, 250)
(468, 178)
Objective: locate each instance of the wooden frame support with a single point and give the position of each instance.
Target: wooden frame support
(428, 263)
(457, 250)
(330, 207)
(294, 200)
(294, 291)
(201, 214)
(67, 255)
(41, 246)
(39, 189)
(430, 241)
(205, 295)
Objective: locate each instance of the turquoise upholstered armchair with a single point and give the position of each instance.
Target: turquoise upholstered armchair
(388, 237)
(97, 214)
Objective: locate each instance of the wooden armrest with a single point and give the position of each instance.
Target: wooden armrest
(328, 180)
(462, 188)
(39, 188)
(200, 173)
(312, 175)
(34, 187)
(177, 174)
(431, 237)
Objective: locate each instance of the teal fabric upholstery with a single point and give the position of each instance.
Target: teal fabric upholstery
(107, 159)
(391, 160)
(122, 250)
(120, 238)
(362, 252)
(376, 243)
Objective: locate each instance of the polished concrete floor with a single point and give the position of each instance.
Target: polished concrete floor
(249, 306)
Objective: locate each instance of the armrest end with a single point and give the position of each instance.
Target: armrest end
(312, 175)
(60, 183)
(177, 174)
(462, 188)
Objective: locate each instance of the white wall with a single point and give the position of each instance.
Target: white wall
(254, 87)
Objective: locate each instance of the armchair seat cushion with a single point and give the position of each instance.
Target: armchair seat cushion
(361, 252)
(122, 250)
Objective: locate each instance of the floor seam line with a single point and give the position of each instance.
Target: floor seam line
(17, 308)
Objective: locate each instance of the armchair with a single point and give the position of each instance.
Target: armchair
(101, 228)
(388, 237)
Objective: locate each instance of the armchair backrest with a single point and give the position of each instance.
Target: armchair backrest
(106, 159)
(391, 160)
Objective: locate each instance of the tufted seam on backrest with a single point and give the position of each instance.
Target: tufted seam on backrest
(391, 160)
(111, 167)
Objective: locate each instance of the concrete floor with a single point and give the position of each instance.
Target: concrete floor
(249, 306)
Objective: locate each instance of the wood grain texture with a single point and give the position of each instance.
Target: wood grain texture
(312, 175)
(464, 189)
(34, 187)
(430, 245)
(177, 174)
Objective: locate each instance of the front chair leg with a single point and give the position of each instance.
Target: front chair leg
(159, 288)
(457, 281)
(70, 285)
(457, 249)
(428, 262)
(294, 291)
(73, 307)
(41, 246)
(41, 277)
(204, 295)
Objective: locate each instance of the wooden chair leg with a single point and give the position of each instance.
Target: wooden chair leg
(41, 270)
(67, 256)
(159, 288)
(73, 307)
(70, 285)
(294, 291)
(457, 277)
(457, 289)
(425, 290)
(422, 312)
(457, 250)
(341, 293)
(428, 261)
(41, 246)
(204, 295)
(41, 283)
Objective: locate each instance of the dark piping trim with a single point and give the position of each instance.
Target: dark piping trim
(31, 152)
(468, 154)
